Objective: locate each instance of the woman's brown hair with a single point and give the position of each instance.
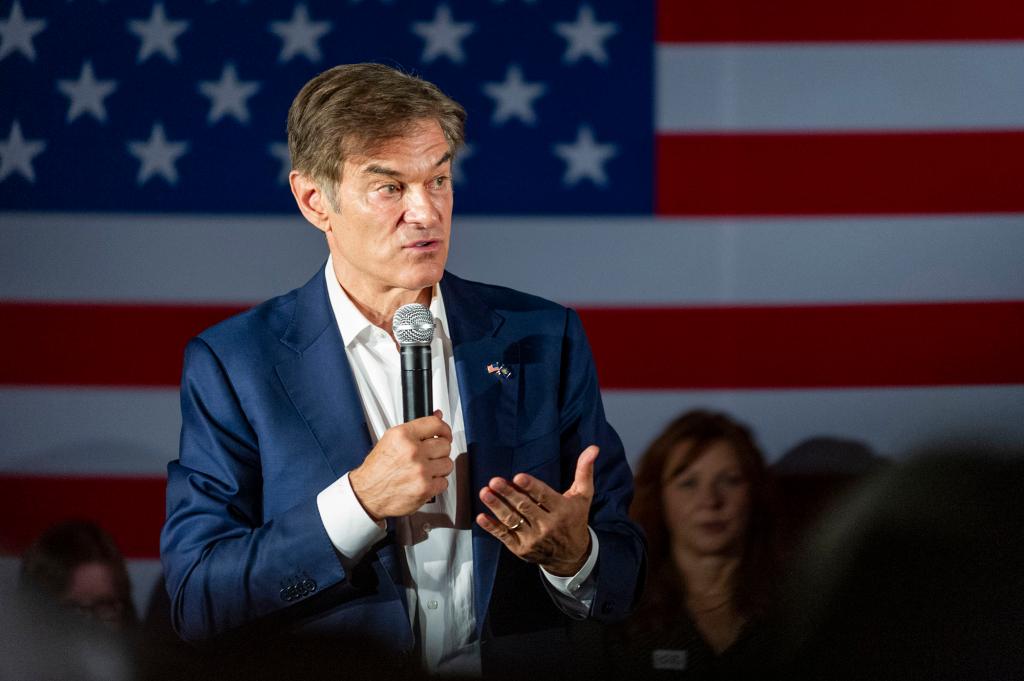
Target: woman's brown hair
(702, 429)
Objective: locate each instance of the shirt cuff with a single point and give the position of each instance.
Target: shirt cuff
(349, 526)
(576, 586)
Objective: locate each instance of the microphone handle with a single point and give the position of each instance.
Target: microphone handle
(417, 386)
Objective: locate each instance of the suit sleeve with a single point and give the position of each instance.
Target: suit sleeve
(621, 561)
(225, 565)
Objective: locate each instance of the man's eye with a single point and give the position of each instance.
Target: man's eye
(687, 483)
(389, 189)
(440, 182)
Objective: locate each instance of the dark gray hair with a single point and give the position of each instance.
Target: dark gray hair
(353, 108)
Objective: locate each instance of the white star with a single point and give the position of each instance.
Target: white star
(514, 97)
(458, 174)
(17, 32)
(158, 34)
(300, 35)
(586, 37)
(87, 94)
(157, 156)
(16, 154)
(443, 36)
(585, 158)
(279, 150)
(228, 96)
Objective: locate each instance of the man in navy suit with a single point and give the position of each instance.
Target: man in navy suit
(302, 503)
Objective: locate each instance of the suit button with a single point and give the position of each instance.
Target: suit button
(308, 586)
(284, 595)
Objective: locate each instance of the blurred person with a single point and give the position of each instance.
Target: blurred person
(78, 565)
(811, 477)
(43, 640)
(702, 498)
(917, 574)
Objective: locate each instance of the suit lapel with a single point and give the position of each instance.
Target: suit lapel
(320, 383)
(319, 380)
(490, 405)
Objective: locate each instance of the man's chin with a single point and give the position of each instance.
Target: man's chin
(420, 276)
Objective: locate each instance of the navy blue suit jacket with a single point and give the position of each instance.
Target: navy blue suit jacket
(271, 416)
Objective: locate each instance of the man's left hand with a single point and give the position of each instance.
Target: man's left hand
(539, 524)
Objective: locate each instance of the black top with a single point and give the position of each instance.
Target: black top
(678, 651)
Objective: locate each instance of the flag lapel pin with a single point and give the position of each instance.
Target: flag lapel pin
(499, 369)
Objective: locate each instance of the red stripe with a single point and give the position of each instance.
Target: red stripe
(840, 174)
(102, 345)
(130, 508)
(814, 20)
(717, 347)
(811, 346)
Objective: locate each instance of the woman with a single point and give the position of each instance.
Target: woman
(77, 564)
(702, 499)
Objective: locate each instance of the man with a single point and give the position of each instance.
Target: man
(301, 500)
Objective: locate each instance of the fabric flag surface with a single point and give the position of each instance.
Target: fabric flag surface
(808, 215)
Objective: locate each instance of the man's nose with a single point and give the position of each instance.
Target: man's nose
(420, 208)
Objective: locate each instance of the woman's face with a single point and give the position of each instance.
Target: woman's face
(707, 504)
(93, 592)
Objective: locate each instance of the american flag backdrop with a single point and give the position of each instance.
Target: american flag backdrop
(808, 214)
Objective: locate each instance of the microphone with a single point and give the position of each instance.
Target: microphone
(413, 327)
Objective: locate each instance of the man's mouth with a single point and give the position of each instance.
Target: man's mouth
(422, 244)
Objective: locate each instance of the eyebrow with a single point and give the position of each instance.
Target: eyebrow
(678, 470)
(374, 169)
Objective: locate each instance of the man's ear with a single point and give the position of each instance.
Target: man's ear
(311, 200)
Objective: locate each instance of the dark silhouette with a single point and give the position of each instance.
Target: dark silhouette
(919, 574)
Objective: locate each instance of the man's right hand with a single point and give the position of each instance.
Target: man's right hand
(409, 465)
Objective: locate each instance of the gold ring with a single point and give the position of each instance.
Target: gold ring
(515, 527)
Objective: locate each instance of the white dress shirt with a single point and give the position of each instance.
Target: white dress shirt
(437, 539)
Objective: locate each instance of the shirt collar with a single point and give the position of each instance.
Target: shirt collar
(354, 326)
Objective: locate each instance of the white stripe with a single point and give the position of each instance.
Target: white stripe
(125, 432)
(581, 261)
(88, 431)
(644, 262)
(69, 257)
(869, 86)
(892, 421)
(144, 575)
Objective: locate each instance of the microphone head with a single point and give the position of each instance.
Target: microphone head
(413, 325)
